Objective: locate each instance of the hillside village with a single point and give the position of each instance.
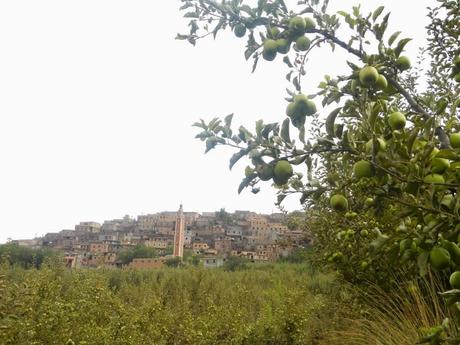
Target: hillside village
(212, 237)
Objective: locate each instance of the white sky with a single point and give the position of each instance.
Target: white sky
(97, 101)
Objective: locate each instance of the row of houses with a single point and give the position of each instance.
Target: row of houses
(208, 235)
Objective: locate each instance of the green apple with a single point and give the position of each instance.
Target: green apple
(403, 63)
(362, 169)
(283, 45)
(270, 49)
(381, 83)
(339, 202)
(240, 30)
(455, 140)
(302, 43)
(368, 76)
(439, 165)
(397, 120)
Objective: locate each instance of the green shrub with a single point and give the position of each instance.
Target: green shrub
(274, 304)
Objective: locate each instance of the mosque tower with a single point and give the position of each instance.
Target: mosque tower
(179, 234)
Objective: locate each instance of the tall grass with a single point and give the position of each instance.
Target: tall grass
(400, 316)
(272, 304)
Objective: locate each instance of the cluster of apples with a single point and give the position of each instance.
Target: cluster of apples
(278, 42)
(300, 107)
(280, 171)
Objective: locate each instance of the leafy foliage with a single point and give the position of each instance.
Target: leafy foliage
(173, 262)
(25, 257)
(379, 169)
(236, 263)
(138, 251)
(264, 305)
(298, 256)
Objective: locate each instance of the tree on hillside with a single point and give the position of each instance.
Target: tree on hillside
(224, 217)
(140, 251)
(374, 158)
(16, 255)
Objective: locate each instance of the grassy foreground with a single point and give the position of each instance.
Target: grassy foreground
(268, 304)
(273, 304)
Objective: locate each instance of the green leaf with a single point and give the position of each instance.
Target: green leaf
(393, 37)
(191, 15)
(203, 135)
(186, 5)
(218, 27)
(214, 123)
(299, 160)
(377, 12)
(259, 127)
(441, 105)
(348, 141)
(211, 143)
(356, 10)
(285, 131)
(350, 21)
(226, 132)
(379, 30)
(290, 93)
(325, 142)
(267, 129)
(302, 134)
(296, 84)
(411, 140)
(236, 157)
(245, 183)
(254, 65)
(247, 9)
(376, 109)
(330, 121)
(200, 124)
(427, 127)
(182, 37)
(261, 4)
(401, 44)
(244, 134)
(448, 154)
(228, 120)
(280, 198)
(353, 66)
(236, 139)
(283, 6)
(338, 130)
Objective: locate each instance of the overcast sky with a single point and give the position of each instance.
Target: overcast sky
(97, 99)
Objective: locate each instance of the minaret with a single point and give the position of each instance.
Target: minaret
(179, 234)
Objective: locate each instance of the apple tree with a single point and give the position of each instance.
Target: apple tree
(377, 168)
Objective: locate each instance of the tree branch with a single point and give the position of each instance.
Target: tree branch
(439, 131)
(339, 42)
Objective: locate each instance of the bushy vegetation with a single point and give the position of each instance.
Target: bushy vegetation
(272, 304)
(235, 263)
(298, 256)
(139, 251)
(25, 257)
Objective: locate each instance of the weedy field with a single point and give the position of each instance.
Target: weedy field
(280, 303)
